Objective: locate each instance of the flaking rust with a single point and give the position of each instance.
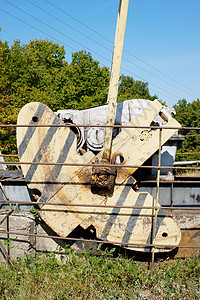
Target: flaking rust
(190, 237)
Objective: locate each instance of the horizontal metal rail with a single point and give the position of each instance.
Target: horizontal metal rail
(164, 182)
(188, 162)
(6, 216)
(98, 241)
(104, 207)
(5, 253)
(17, 156)
(184, 153)
(101, 206)
(173, 181)
(113, 126)
(191, 135)
(98, 165)
(9, 155)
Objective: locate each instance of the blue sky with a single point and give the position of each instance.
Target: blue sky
(162, 42)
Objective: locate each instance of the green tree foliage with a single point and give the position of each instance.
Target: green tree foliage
(7, 115)
(38, 72)
(86, 83)
(133, 89)
(26, 72)
(188, 114)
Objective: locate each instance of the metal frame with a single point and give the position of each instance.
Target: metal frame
(154, 207)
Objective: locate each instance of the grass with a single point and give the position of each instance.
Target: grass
(102, 276)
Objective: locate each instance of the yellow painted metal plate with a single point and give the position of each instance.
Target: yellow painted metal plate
(71, 184)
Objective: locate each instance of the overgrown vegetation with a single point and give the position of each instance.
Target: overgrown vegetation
(103, 276)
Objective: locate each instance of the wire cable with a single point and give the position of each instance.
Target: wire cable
(102, 36)
(37, 29)
(101, 45)
(52, 37)
(76, 30)
(176, 97)
(60, 32)
(86, 26)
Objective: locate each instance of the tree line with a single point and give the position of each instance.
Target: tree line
(38, 71)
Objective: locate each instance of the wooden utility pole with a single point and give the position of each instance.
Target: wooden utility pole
(115, 74)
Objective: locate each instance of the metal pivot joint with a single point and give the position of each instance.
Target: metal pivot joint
(103, 178)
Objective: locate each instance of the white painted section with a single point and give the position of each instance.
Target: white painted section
(126, 111)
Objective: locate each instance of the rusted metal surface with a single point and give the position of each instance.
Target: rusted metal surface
(186, 247)
(103, 178)
(196, 209)
(6, 216)
(135, 245)
(155, 212)
(163, 116)
(191, 135)
(98, 165)
(114, 126)
(3, 249)
(5, 253)
(12, 176)
(191, 238)
(9, 155)
(184, 153)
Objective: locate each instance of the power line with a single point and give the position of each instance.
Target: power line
(178, 82)
(37, 29)
(83, 45)
(68, 25)
(86, 26)
(52, 37)
(102, 36)
(60, 32)
(151, 83)
(125, 59)
(158, 77)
